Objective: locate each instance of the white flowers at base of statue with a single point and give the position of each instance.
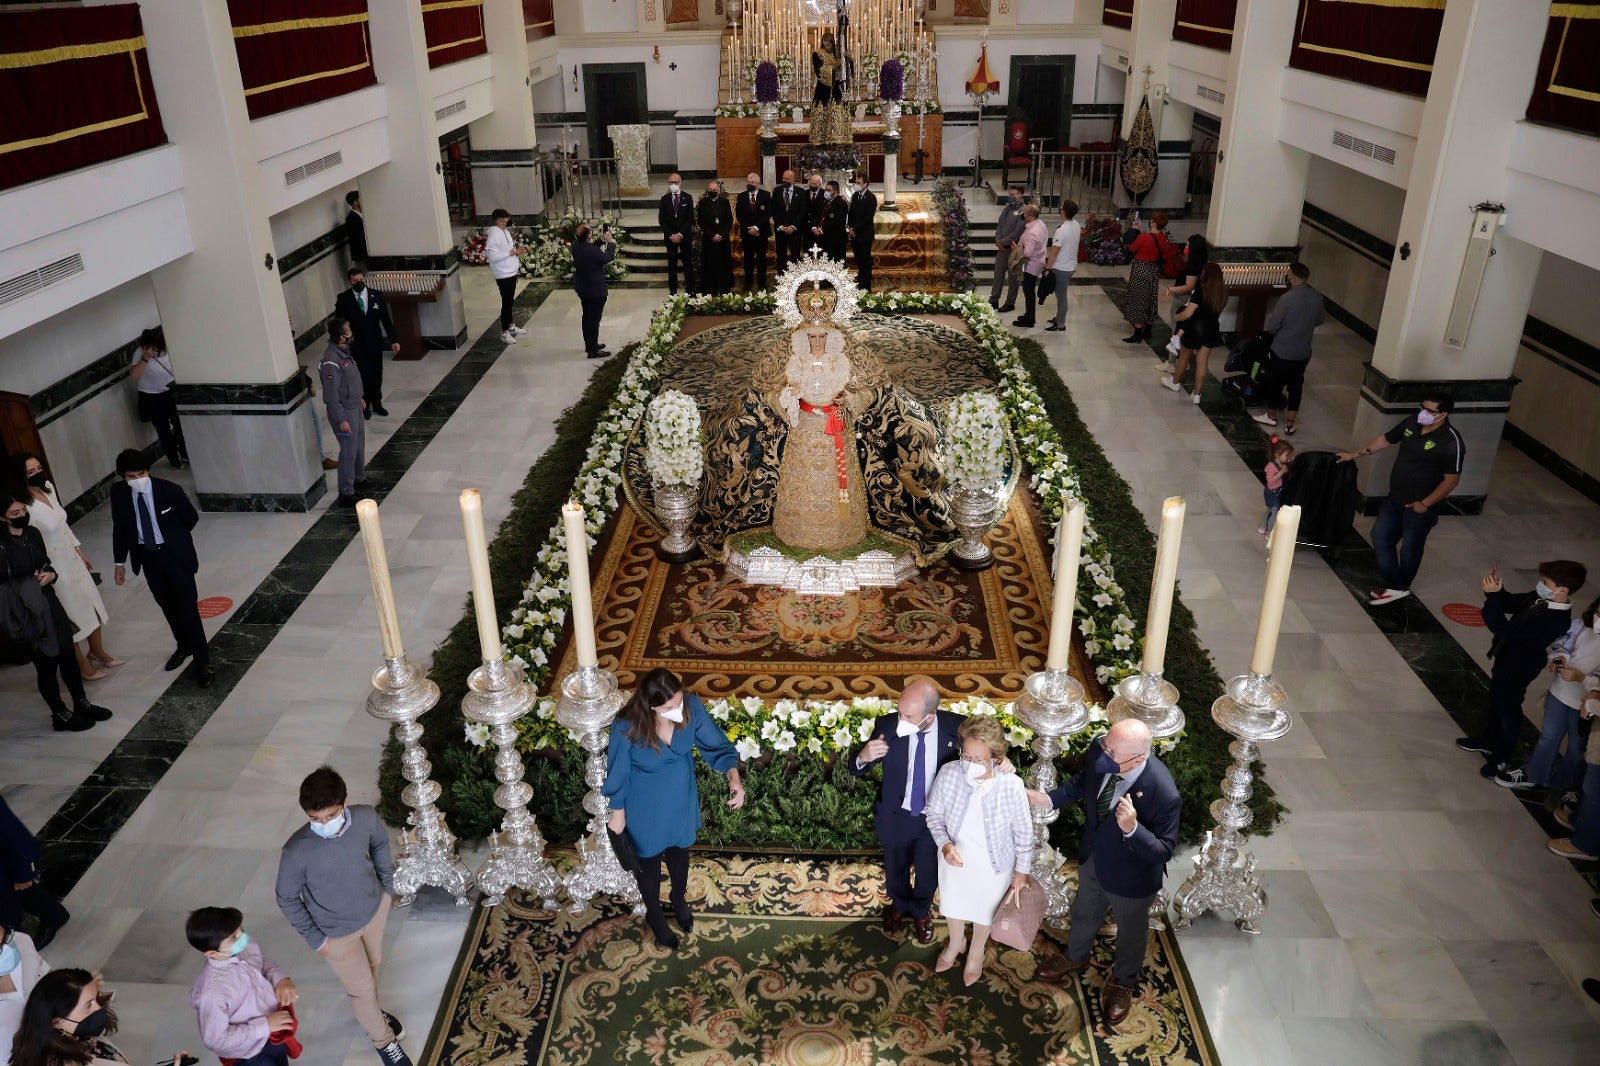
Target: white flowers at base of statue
(975, 429)
(674, 451)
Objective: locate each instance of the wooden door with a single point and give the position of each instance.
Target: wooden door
(614, 96)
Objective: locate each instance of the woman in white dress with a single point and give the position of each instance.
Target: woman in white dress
(74, 584)
(980, 821)
(20, 969)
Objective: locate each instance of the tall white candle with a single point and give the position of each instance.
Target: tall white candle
(478, 568)
(1162, 583)
(378, 570)
(578, 579)
(1069, 551)
(1281, 547)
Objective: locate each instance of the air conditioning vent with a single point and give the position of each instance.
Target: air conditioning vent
(1351, 143)
(15, 288)
(1206, 92)
(449, 109)
(316, 166)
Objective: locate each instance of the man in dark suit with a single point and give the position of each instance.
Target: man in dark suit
(20, 891)
(860, 227)
(676, 217)
(754, 213)
(716, 234)
(1131, 810)
(789, 220)
(355, 228)
(835, 223)
(589, 261)
(912, 744)
(371, 328)
(816, 202)
(150, 523)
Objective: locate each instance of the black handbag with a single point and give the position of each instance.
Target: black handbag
(1047, 284)
(627, 854)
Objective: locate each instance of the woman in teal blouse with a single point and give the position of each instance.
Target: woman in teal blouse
(650, 783)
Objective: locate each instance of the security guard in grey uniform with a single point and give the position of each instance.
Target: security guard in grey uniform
(342, 392)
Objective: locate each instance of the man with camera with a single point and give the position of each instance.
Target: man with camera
(589, 259)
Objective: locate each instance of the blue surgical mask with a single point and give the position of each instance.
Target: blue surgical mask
(1105, 764)
(10, 959)
(240, 944)
(1544, 592)
(828, 194)
(329, 830)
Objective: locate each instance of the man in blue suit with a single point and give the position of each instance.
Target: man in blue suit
(589, 260)
(1131, 810)
(913, 744)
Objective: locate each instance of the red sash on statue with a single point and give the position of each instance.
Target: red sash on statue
(835, 429)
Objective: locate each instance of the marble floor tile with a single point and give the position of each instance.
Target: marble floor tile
(1414, 979)
(1516, 982)
(1312, 978)
(1368, 904)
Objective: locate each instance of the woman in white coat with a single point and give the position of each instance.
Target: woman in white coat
(74, 584)
(20, 969)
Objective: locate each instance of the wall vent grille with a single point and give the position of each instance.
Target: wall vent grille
(294, 177)
(449, 109)
(1206, 92)
(1351, 143)
(21, 285)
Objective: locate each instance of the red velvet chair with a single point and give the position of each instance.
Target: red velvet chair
(1017, 152)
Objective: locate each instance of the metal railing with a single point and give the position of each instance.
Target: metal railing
(586, 187)
(1087, 177)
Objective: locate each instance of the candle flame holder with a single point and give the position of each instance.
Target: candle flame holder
(1052, 706)
(589, 704)
(1224, 877)
(499, 696)
(1150, 698)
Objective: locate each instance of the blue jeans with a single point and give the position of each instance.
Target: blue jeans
(1586, 823)
(1398, 537)
(1559, 721)
(1274, 500)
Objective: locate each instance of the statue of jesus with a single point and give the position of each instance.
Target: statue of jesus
(820, 504)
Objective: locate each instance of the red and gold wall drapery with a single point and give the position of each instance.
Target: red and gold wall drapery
(1117, 13)
(297, 52)
(1566, 91)
(1388, 44)
(1207, 23)
(539, 18)
(454, 30)
(75, 89)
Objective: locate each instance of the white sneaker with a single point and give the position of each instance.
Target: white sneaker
(1262, 530)
(507, 337)
(1265, 419)
(1388, 596)
(517, 330)
(1174, 345)
(1168, 383)
(1195, 399)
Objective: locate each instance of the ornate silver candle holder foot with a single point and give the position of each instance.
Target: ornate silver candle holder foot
(498, 698)
(401, 694)
(1150, 698)
(1052, 706)
(1224, 877)
(589, 704)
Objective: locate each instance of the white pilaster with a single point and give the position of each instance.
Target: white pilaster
(504, 142)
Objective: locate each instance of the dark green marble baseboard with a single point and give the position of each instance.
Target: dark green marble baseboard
(97, 494)
(1547, 457)
(266, 502)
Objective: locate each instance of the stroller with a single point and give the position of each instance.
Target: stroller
(1245, 366)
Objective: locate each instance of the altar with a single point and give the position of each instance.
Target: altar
(739, 145)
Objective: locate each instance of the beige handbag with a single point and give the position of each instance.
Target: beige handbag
(1019, 916)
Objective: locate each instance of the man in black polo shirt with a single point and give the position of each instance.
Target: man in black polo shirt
(1427, 470)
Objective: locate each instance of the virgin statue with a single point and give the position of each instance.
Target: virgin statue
(820, 503)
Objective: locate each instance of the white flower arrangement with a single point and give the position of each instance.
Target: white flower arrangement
(674, 450)
(975, 430)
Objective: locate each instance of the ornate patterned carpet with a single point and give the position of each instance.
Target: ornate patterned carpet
(786, 966)
(908, 253)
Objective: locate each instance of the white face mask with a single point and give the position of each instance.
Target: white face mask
(330, 829)
(675, 715)
(906, 729)
(975, 771)
(675, 187)
(139, 484)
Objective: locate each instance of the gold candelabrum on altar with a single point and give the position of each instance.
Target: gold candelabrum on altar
(866, 33)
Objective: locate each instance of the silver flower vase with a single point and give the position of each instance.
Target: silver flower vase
(972, 510)
(676, 506)
(891, 118)
(768, 113)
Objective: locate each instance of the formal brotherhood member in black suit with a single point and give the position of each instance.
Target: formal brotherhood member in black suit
(371, 329)
(789, 221)
(816, 202)
(716, 241)
(355, 228)
(589, 261)
(754, 212)
(860, 225)
(677, 229)
(150, 523)
(835, 222)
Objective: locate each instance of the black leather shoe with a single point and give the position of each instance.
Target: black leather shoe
(206, 676)
(683, 916)
(91, 711)
(599, 353)
(1026, 323)
(379, 409)
(922, 929)
(342, 501)
(71, 722)
(1006, 309)
(366, 413)
(361, 484)
(175, 660)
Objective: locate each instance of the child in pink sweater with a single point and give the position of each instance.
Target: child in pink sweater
(1277, 469)
(241, 998)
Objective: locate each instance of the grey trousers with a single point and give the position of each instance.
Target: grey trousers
(352, 455)
(1133, 926)
(1007, 269)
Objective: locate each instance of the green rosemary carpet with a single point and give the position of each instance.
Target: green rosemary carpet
(786, 966)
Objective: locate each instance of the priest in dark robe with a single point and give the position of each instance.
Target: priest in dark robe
(716, 231)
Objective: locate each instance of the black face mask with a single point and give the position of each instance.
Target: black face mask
(19, 524)
(39, 480)
(750, 188)
(711, 193)
(94, 1025)
(359, 286)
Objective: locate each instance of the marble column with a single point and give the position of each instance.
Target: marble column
(246, 413)
(1260, 182)
(1149, 43)
(408, 218)
(505, 142)
(891, 171)
(1487, 55)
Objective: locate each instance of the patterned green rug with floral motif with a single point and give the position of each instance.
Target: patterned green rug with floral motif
(786, 966)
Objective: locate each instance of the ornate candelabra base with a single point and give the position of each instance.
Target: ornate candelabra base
(1052, 706)
(401, 694)
(1151, 699)
(973, 514)
(499, 696)
(1224, 877)
(589, 704)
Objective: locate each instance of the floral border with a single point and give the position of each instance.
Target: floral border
(531, 636)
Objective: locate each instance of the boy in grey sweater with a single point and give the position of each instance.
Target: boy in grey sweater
(335, 878)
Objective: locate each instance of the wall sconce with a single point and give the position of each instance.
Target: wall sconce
(656, 54)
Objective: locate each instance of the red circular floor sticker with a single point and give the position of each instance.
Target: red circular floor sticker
(212, 606)
(1463, 614)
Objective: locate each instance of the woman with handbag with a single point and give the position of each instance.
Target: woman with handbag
(152, 375)
(75, 584)
(1201, 330)
(650, 783)
(1144, 276)
(979, 819)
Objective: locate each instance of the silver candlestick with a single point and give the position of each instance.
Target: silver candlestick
(401, 694)
(1052, 706)
(1252, 710)
(589, 704)
(1150, 698)
(500, 695)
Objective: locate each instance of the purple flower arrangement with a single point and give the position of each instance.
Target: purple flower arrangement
(829, 157)
(892, 81)
(767, 82)
(952, 208)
